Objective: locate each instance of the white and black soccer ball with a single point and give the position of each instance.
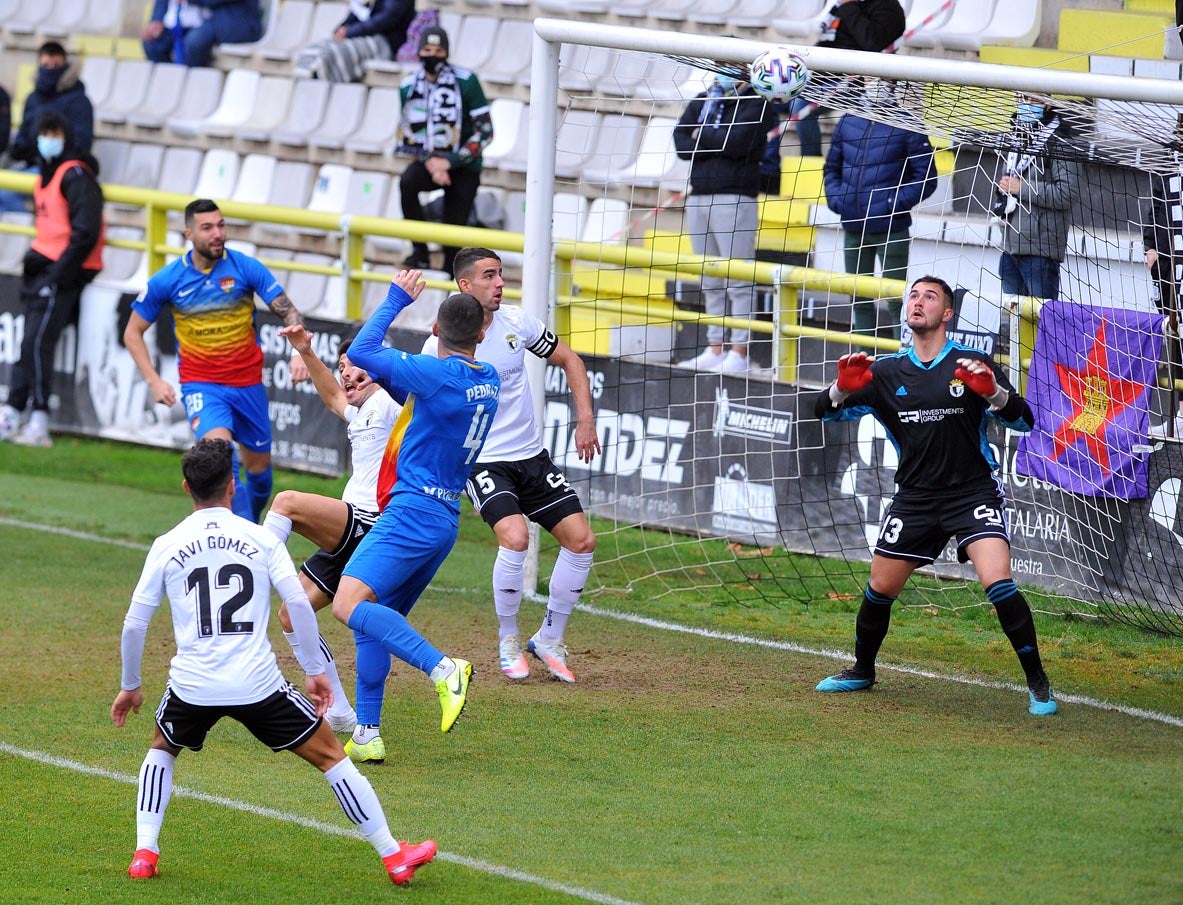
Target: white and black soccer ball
(779, 75)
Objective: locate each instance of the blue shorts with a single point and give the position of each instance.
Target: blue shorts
(241, 410)
(402, 552)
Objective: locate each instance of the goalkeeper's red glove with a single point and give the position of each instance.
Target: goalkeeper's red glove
(854, 372)
(979, 377)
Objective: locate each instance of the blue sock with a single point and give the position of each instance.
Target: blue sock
(241, 504)
(391, 629)
(373, 666)
(258, 491)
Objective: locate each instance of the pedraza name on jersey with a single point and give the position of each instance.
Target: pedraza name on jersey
(215, 542)
(481, 391)
(923, 416)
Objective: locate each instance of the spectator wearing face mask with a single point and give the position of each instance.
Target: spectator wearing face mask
(874, 175)
(66, 254)
(57, 90)
(445, 127)
(723, 132)
(1034, 202)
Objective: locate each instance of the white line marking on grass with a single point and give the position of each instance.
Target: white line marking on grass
(331, 829)
(841, 656)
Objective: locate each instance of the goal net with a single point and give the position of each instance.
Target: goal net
(721, 486)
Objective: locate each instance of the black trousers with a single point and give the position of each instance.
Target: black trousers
(459, 198)
(48, 308)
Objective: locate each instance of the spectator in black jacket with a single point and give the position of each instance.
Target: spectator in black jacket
(373, 30)
(58, 90)
(722, 132)
(66, 254)
(871, 25)
(1162, 236)
(5, 119)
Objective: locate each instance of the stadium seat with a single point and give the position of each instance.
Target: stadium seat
(141, 169)
(128, 91)
(67, 18)
(511, 126)
(671, 10)
(331, 189)
(565, 8)
(378, 131)
(515, 212)
(657, 165)
(615, 149)
(238, 54)
(291, 186)
(254, 179)
(102, 18)
(575, 62)
(570, 211)
(607, 221)
(800, 18)
(166, 89)
(578, 130)
(346, 104)
(199, 90)
(97, 74)
(967, 27)
(475, 43)
(668, 80)
(366, 195)
(12, 245)
(270, 109)
(922, 9)
(111, 155)
(310, 99)
(1015, 23)
(755, 13)
(218, 175)
(620, 74)
(510, 68)
(21, 27)
(307, 290)
(120, 263)
(1139, 35)
(290, 33)
(712, 12)
(233, 110)
(179, 169)
(386, 247)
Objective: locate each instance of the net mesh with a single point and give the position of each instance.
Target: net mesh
(722, 488)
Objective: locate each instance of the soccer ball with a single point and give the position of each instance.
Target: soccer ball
(779, 75)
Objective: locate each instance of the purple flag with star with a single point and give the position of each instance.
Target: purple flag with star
(1089, 386)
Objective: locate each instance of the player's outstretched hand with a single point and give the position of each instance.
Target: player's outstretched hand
(977, 375)
(854, 371)
(320, 692)
(298, 336)
(587, 441)
(410, 281)
(125, 702)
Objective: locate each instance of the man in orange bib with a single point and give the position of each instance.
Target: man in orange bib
(66, 254)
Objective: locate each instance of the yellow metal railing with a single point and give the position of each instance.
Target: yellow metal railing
(787, 281)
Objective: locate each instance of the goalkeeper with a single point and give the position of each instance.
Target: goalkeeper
(933, 399)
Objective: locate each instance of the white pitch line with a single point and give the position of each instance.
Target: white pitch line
(328, 828)
(841, 656)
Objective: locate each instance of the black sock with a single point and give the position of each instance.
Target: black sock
(1014, 615)
(870, 628)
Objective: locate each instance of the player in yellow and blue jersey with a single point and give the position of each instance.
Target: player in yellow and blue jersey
(450, 403)
(211, 291)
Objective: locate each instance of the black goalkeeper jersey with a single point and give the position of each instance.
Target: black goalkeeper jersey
(936, 423)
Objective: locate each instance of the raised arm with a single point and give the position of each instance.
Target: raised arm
(367, 350)
(281, 306)
(325, 381)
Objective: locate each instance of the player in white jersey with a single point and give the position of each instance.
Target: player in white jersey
(217, 570)
(336, 526)
(515, 479)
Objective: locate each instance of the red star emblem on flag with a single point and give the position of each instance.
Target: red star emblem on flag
(1097, 397)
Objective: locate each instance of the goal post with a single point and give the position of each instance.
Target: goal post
(712, 481)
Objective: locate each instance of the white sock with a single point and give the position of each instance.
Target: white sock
(508, 576)
(39, 422)
(155, 789)
(279, 525)
(340, 700)
(566, 584)
(360, 804)
(363, 735)
(443, 669)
